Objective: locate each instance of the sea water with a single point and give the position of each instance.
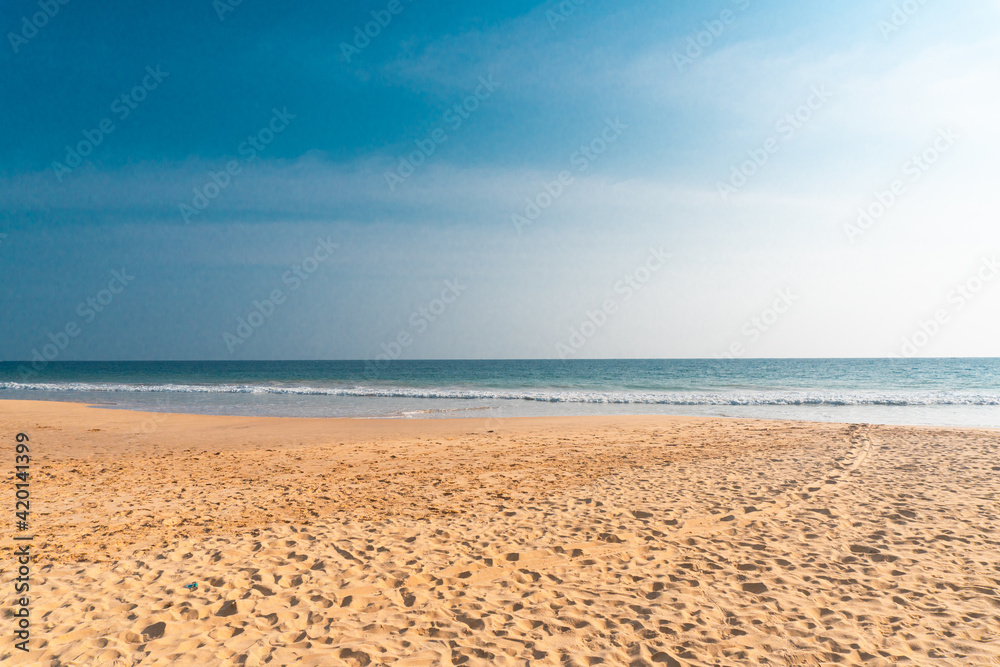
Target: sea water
(890, 391)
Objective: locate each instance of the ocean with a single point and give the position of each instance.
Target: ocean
(952, 392)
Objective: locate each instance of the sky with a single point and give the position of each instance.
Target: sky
(733, 178)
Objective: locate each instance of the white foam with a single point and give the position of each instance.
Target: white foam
(743, 396)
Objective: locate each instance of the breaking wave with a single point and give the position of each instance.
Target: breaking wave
(742, 397)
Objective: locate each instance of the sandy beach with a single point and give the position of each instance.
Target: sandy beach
(571, 541)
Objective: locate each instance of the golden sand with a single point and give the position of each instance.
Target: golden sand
(569, 541)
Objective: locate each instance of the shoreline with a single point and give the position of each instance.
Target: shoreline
(155, 415)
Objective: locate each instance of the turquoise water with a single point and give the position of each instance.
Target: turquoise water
(892, 391)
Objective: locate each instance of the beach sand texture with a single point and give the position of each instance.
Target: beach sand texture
(562, 541)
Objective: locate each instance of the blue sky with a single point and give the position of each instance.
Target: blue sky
(643, 109)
